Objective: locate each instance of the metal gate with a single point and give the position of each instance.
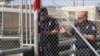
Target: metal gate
(16, 24)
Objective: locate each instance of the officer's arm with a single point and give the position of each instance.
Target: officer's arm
(89, 37)
(91, 34)
(55, 31)
(54, 27)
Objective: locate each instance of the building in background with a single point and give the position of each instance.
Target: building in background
(93, 13)
(11, 14)
(71, 12)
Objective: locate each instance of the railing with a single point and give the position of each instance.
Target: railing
(67, 42)
(15, 51)
(26, 49)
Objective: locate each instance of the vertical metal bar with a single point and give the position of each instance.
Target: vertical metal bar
(82, 1)
(2, 20)
(19, 33)
(74, 3)
(12, 3)
(30, 22)
(26, 18)
(21, 22)
(36, 33)
(36, 10)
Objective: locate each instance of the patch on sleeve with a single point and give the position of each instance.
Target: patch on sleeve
(87, 27)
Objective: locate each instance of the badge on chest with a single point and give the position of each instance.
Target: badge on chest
(87, 27)
(49, 23)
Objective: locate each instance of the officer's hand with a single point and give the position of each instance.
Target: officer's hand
(62, 30)
(89, 37)
(54, 32)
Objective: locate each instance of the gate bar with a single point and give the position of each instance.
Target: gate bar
(36, 7)
(15, 51)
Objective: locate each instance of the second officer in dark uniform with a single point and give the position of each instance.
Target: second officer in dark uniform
(88, 30)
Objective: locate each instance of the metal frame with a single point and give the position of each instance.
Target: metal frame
(21, 22)
(2, 19)
(20, 37)
(30, 22)
(26, 21)
(15, 51)
(26, 49)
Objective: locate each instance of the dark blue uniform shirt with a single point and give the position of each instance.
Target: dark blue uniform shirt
(48, 24)
(87, 27)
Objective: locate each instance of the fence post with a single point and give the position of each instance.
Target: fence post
(36, 18)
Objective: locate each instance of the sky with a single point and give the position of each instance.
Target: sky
(70, 2)
(63, 2)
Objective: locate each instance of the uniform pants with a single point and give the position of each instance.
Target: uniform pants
(49, 48)
(84, 52)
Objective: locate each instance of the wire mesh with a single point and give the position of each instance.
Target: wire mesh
(9, 27)
(16, 20)
(16, 29)
(65, 19)
(51, 42)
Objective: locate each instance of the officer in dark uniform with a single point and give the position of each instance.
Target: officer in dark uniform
(48, 36)
(88, 30)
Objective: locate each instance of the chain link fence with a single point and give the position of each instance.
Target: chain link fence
(65, 18)
(16, 28)
(55, 44)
